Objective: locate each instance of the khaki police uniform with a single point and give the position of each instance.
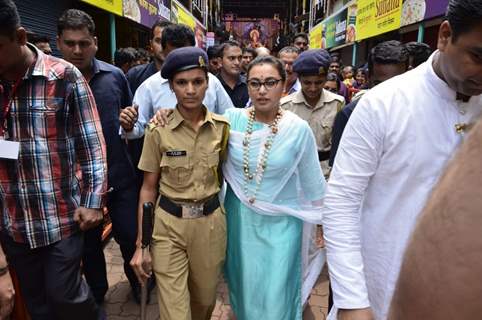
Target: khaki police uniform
(320, 118)
(188, 253)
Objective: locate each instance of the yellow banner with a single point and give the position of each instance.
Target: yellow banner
(316, 37)
(185, 17)
(114, 6)
(375, 17)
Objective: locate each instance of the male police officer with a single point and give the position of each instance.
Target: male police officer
(313, 103)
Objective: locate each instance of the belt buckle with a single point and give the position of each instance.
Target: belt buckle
(192, 211)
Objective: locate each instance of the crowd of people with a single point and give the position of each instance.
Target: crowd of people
(260, 167)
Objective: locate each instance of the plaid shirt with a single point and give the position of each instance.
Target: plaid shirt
(62, 161)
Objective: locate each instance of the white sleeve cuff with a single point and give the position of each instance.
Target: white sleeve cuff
(348, 280)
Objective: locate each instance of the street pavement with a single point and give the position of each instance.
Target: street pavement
(120, 305)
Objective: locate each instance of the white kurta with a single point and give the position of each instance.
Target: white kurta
(393, 151)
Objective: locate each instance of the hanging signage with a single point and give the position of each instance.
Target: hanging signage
(147, 12)
(200, 33)
(335, 29)
(179, 14)
(351, 23)
(375, 17)
(114, 6)
(414, 11)
(316, 37)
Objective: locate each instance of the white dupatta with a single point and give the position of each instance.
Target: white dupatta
(275, 203)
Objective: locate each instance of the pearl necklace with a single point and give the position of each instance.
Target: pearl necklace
(262, 161)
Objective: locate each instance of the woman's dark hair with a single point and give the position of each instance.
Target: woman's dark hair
(74, 19)
(9, 18)
(276, 63)
(178, 36)
(463, 16)
(388, 52)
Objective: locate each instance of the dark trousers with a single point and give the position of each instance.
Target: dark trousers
(50, 279)
(122, 206)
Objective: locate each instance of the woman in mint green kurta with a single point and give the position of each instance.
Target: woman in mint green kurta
(275, 187)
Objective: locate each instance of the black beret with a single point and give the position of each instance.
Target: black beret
(183, 59)
(312, 62)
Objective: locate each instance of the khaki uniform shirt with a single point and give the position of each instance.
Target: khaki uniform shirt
(320, 118)
(187, 160)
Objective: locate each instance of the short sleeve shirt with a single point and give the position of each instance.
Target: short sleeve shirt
(187, 160)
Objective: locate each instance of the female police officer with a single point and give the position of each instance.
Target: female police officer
(181, 162)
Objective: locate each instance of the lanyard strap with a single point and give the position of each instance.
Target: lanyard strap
(6, 103)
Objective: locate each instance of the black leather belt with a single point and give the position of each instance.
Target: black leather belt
(323, 155)
(189, 211)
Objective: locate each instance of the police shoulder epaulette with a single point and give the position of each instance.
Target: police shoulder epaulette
(330, 96)
(151, 126)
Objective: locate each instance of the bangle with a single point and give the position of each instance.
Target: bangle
(4, 270)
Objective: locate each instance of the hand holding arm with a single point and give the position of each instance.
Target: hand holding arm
(160, 118)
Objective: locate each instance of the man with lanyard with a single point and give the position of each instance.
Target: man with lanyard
(155, 94)
(52, 135)
(392, 152)
(288, 56)
(77, 42)
(230, 74)
(313, 103)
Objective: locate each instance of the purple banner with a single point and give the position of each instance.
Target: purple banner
(435, 8)
(414, 11)
(147, 12)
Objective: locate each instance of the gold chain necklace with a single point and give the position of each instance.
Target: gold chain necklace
(262, 161)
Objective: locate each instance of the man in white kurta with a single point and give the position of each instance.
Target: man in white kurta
(392, 152)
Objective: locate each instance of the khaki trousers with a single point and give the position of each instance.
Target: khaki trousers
(187, 259)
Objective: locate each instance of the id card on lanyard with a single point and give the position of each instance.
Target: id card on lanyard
(8, 149)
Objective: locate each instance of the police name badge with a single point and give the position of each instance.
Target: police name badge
(176, 153)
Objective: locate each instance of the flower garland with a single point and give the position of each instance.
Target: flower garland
(262, 161)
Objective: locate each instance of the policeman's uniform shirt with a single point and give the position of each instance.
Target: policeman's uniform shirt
(320, 118)
(155, 93)
(186, 160)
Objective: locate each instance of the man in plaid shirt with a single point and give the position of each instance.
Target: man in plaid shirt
(56, 187)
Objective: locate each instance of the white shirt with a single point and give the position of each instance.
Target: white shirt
(155, 93)
(392, 152)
